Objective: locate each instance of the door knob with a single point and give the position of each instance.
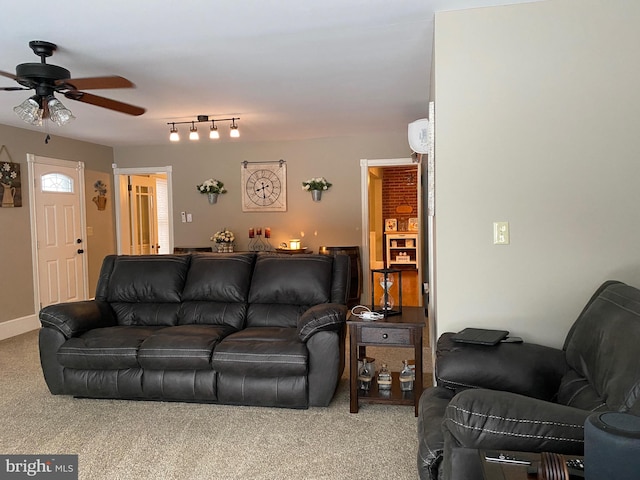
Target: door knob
(80, 250)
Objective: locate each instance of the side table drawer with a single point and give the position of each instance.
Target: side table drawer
(390, 336)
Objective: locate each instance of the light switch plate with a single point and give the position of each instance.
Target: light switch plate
(501, 233)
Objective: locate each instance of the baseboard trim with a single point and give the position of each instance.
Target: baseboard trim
(18, 326)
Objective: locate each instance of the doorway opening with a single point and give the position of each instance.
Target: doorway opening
(391, 225)
(144, 214)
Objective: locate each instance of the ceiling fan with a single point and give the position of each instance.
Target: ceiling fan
(46, 79)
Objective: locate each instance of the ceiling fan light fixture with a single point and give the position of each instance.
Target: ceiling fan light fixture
(234, 132)
(213, 132)
(174, 136)
(193, 132)
(58, 113)
(29, 111)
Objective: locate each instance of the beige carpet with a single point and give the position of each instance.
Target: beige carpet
(118, 439)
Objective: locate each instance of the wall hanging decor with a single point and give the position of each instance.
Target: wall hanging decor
(101, 199)
(316, 186)
(10, 184)
(212, 188)
(264, 186)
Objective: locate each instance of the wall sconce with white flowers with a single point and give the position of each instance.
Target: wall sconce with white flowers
(212, 188)
(316, 186)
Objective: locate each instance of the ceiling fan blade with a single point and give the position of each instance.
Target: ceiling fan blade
(94, 83)
(11, 89)
(105, 102)
(8, 75)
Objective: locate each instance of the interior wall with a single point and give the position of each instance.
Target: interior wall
(100, 238)
(334, 221)
(537, 120)
(16, 284)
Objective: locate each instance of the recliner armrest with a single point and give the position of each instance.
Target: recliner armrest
(72, 319)
(322, 317)
(488, 419)
(525, 368)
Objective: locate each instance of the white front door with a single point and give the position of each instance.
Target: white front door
(60, 243)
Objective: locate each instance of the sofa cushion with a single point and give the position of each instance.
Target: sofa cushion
(148, 278)
(284, 286)
(219, 278)
(151, 314)
(183, 347)
(292, 279)
(601, 342)
(104, 348)
(262, 351)
(274, 315)
(147, 289)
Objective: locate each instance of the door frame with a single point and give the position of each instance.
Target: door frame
(365, 164)
(120, 195)
(33, 159)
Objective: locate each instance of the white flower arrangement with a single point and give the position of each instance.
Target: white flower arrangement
(316, 183)
(211, 186)
(223, 236)
(8, 174)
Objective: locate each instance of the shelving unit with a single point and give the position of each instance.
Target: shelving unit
(402, 250)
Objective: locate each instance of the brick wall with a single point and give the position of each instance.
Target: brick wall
(399, 187)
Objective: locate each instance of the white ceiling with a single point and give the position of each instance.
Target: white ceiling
(289, 69)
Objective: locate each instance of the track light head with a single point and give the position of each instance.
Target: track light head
(213, 132)
(234, 132)
(174, 136)
(193, 132)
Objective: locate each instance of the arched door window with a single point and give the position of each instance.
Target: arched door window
(56, 182)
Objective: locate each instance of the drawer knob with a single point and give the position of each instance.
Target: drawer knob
(384, 335)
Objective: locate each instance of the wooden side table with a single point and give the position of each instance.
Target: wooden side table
(404, 330)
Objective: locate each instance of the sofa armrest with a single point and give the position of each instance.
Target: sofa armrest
(322, 317)
(72, 319)
(487, 419)
(525, 368)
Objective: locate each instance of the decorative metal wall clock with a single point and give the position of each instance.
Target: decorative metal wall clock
(264, 186)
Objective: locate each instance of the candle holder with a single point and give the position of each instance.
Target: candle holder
(387, 304)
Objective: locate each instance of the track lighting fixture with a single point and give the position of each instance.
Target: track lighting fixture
(174, 136)
(38, 107)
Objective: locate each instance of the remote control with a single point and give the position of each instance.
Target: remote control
(576, 468)
(501, 457)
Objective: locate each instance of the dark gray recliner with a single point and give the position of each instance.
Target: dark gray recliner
(528, 397)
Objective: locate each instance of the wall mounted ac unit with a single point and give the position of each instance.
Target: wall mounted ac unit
(419, 135)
